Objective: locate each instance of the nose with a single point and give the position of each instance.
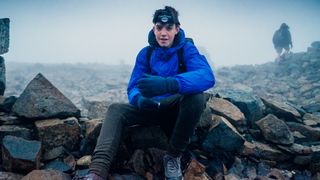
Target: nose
(163, 32)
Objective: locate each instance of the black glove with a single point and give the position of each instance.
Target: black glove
(147, 104)
(150, 86)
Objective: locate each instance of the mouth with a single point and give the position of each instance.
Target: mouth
(163, 40)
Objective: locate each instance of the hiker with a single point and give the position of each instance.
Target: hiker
(282, 40)
(162, 91)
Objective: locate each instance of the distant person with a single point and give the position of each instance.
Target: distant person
(166, 89)
(282, 40)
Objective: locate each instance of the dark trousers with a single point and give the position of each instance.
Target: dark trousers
(178, 117)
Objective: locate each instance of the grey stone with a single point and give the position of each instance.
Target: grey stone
(223, 137)
(309, 133)
(56, 132)
(14, 130)
(282, 110)
(264, 151)
(47, 175)
(4, 35)
(275, 130)
(2, 76)
(20, 155)
(229, 111)
(10, 176)
(249, 104)
(42, 100)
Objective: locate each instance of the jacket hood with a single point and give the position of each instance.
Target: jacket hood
(178, 41)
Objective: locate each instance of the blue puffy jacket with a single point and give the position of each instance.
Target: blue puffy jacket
(164, 62)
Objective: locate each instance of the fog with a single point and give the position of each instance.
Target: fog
(113, 32)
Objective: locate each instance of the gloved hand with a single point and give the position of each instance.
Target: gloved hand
(147, 104)
(150, 86)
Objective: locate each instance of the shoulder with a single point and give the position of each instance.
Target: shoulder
(143, 51)
(189, 47)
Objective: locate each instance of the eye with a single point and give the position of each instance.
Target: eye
(159, 27)
(169, 27)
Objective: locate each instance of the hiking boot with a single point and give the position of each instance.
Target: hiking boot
(172, 167)
(90, 176)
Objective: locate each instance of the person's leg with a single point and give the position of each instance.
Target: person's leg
(287, 49)
(279, 51)
(118, 116)
(190, 110)
(185, 112)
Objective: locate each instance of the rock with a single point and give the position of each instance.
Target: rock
(96, 109)
(55, 132)
(4, 35)
(7, 103)
(297, 149)
(58, 166)
(14, 130)
(309, 133)
(310, 108)
(84, 161)
(223, 137)
(275, 130)
(276, 174)
(47, 175)
(92, 131)
(311, 120)
(41, 100)
(154, 159)
(248, 103)
(53, 153)
(282, 110)
(7, 119)
(206, 118)
(195, 171)
(137, 162)
(2, 74)
(264, 151)
(10, 176)
(229, 111)
(20, 155)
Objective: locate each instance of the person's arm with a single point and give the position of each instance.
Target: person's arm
(139, 69)
(134, 95)
(199, 76)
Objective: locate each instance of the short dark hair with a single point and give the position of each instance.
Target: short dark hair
(169, 13)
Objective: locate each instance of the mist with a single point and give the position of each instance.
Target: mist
(113, 32)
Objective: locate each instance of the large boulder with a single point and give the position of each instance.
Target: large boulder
(42, 100)
(4, 35)
(2, 76)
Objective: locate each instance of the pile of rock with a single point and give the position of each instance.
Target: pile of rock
(240, 135)
(295, 78)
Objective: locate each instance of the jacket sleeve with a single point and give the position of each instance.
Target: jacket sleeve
(199, 75)
(139, 69)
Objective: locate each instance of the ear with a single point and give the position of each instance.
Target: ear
(177, 29)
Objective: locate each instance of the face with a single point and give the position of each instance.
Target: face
(165, 34)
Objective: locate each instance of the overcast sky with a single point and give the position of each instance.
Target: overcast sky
(231, 31)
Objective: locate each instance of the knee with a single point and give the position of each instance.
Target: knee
(195, 100)
(115, 107)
